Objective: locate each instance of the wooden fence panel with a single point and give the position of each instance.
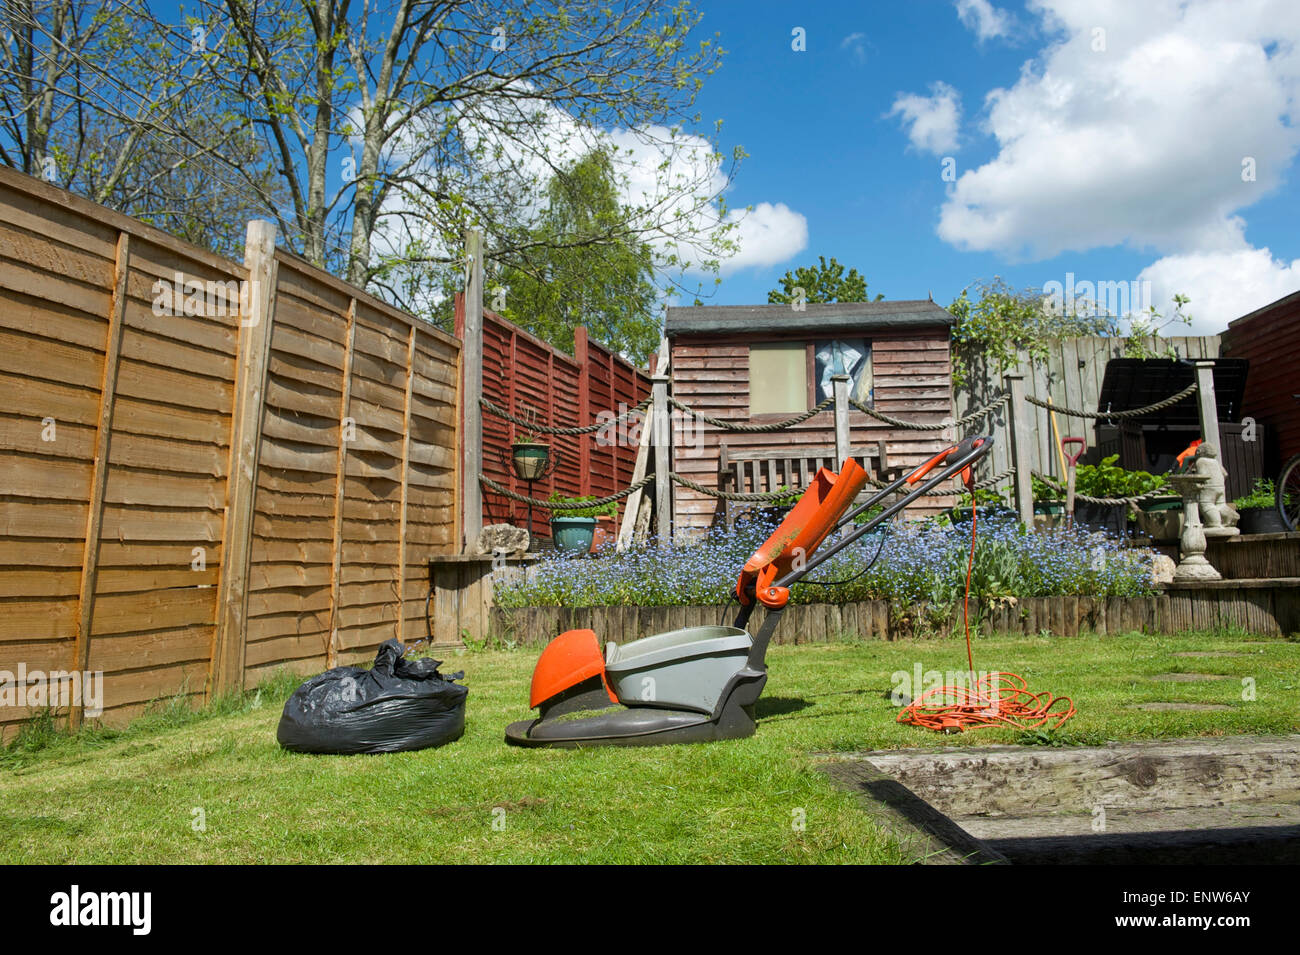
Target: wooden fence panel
(119, 355)
(1071, 378)
(526, 376)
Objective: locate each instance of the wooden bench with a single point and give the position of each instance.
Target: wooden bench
(762, 472)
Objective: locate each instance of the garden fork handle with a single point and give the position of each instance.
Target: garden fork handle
(1073, 459)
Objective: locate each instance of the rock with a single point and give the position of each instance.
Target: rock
(1162, 569)
(503, 538)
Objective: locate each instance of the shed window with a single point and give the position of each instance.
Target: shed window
(851, 357)
(778, 378)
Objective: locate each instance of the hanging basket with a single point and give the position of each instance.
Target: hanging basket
(529, 459)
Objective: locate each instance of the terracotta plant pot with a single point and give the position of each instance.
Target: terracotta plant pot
(604, 532)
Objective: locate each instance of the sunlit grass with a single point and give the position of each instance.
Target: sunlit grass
(138, 795)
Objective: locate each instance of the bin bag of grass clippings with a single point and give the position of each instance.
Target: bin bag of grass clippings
(397, 705)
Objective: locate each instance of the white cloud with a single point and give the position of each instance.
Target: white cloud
(1131, 128)
(768, 234)
(665, 178)
(932, 121)
(1221, 285)
(986, 20)
(856, 44)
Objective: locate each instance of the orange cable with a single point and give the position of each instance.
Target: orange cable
(998, 699)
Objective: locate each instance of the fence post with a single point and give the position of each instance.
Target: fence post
(1019, 431)
(663, 445)
(583, 358)
(471, 370)
(227, 671)
(99, 476)
(1208, 404)
(840, 389)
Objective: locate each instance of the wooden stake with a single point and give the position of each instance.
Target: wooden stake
(227, 669)
(472, 392)
(99, 479)
(341, 472)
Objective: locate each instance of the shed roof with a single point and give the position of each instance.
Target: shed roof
(1279, 305)
(861, 316)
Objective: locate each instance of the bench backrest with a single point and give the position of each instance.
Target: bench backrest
(762, 472)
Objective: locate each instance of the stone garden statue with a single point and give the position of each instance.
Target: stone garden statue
(1219, 517)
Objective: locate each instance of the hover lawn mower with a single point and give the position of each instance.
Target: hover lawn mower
(701, 683)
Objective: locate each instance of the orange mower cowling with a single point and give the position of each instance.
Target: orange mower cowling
(804, 528)
(569, 659)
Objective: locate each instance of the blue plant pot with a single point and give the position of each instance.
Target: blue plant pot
(573, 534)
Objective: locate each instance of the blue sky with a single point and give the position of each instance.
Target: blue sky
(1119, 152)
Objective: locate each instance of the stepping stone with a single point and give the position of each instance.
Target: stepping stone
(1189, 677)
(1208, 653)
(1166, 707)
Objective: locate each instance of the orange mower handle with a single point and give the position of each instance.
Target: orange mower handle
(930, 465)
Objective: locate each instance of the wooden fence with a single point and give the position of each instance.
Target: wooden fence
(1253, 607)
(207, 470)
(1071, 378)
(523, 374)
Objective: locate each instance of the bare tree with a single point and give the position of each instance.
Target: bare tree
(108, 100)
(438, 113)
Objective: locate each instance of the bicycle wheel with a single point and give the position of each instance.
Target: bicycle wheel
(1288, 494)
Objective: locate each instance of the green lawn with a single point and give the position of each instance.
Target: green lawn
(132, 796)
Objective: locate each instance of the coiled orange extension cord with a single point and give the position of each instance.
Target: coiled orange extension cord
(998, 699)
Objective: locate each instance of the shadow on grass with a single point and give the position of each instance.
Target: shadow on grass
(769, 706)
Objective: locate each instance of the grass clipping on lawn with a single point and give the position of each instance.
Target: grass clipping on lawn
(139, 795)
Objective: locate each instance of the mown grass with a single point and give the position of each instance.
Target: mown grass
(134, 795)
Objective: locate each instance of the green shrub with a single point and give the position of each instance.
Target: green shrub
(1263, 494)
(578, 510)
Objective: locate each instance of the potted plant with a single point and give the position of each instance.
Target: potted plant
(1049, 504)
(986, 501)
(573, 529)
(1258, 510)
(529, 455)
(1108, 479)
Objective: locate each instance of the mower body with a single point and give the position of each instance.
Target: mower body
(686, 686)
(700, 684)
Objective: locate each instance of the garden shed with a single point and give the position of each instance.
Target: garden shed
(1269, 338)
(766, 364)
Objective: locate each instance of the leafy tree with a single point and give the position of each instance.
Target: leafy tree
(438, 115)
(581, 267)
(824, 282)
(115, 102)
(1146, 328)
(992, 329)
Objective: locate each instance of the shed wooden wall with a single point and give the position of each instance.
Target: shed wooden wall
(116, 460)
(1270, 340)
(912, 380)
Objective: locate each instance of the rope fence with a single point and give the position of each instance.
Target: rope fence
(1116, 415)
(765, 497)
(750, 428)
(768, 497)
(496, 488)
(1159, 492)
(547, 429)
(975, 415)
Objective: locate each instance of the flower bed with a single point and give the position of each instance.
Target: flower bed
(915, 563)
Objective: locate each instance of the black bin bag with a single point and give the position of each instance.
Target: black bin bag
(398, 705)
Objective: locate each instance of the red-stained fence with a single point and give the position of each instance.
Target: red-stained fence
(1269, 338)
(525, 375)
